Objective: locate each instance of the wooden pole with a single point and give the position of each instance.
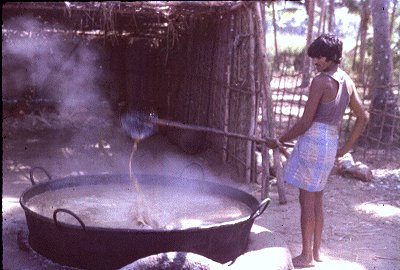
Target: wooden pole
(253, 108)
(268, 101)
(321, 23)
(275, 34)
(267, 141)
(227, 90)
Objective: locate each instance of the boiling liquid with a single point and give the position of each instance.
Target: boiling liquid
(110, 206)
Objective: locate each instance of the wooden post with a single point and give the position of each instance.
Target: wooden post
(253, 109)
(226, 115)
(268, 125)
(227, 94)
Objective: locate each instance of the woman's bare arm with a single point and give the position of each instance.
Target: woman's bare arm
(361, 121)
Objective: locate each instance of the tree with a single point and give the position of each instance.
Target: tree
(361, 8)
(365, 15)
(322, 18)
(383, 107)
(275, 35)
(310, 6)
(392, 19)
(331, 17)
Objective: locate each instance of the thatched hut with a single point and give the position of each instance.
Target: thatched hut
(199, 63)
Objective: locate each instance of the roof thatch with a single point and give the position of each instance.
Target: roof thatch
(145, 19)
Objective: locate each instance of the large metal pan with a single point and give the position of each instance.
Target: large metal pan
(87, 246)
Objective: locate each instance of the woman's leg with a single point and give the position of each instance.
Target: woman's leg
(319, 224)
(307, 205)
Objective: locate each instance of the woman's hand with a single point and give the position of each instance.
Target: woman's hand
(275, 143)
(341, 152)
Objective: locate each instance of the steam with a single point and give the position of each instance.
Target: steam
(67, 70)
(56, 66)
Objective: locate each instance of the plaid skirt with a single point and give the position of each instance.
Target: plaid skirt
(313, 157)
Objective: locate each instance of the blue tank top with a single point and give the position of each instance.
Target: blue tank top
(331, 112)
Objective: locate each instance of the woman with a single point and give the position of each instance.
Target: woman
(314, 154)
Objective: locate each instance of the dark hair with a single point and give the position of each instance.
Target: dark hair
(326, 45)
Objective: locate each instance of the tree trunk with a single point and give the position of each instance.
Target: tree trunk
(353, 66)
(321, 25)
(382, 56)
(331, 18)
(306, 67)
(275, 36)
(365, 15)
(383, 106)
(393, 17)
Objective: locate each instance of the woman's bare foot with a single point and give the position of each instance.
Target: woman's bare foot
(303, 261)
(318, 257)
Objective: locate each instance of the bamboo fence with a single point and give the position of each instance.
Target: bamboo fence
(381, 141)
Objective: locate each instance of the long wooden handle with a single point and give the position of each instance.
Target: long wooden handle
(268, 141)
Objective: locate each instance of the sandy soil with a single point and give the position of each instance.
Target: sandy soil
(362, 219)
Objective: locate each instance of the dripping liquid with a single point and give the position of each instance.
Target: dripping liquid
(140, 210)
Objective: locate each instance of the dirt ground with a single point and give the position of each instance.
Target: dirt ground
(362, 222)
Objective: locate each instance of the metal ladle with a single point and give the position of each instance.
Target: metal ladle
(140, 125)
